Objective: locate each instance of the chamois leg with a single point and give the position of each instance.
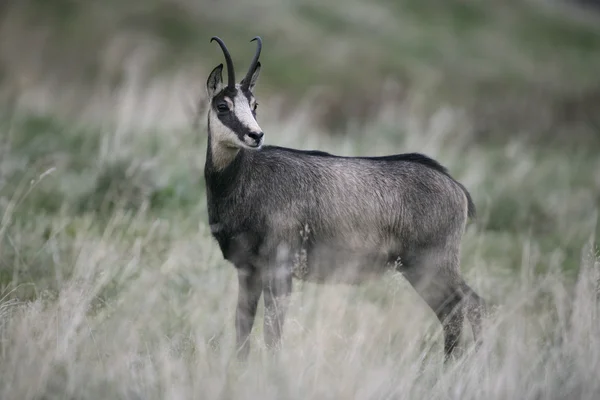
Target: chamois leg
(249, 290)
(439, 290)
(475, 310)
(277, 287)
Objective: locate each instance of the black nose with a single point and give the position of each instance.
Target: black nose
(256, 136)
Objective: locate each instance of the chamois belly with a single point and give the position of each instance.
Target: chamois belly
(346, 250)
(327, 263)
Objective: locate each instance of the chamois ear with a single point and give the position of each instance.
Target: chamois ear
(214, 83)
(254, 77)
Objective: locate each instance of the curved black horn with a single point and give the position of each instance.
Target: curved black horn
(230, 71)
(254, 61)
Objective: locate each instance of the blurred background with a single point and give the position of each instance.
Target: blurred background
(104, 229)
(517, 67)
(103, 107)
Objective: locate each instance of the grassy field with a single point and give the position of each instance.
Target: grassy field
(111, 286)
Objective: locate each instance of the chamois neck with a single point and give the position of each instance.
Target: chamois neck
(221, 156)
(218, 155)
(221, 182)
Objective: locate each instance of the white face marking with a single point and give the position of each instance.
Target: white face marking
(243, 113)
(225, 143)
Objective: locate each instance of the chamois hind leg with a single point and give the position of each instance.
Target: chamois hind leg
(277, 287)
(475, 310)
(249, 291)
(436, 280)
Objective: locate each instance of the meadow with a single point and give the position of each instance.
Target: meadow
(111, 286)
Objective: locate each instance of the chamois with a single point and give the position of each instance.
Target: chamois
(350, 217)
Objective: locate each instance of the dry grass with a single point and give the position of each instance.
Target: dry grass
(167, 331)
(137, 303)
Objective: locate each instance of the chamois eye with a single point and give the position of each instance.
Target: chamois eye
(255, 106)
(222, 107)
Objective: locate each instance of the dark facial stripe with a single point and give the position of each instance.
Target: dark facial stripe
(233, 123)
(229, 119)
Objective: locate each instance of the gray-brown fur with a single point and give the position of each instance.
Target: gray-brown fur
(279, 212)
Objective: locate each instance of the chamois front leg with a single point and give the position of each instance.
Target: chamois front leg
(250, 286)
(277, 287)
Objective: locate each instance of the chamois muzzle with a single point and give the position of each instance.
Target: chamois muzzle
(230, 70)
(257, 137)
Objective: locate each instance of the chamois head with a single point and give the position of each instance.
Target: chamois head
(232, 111)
